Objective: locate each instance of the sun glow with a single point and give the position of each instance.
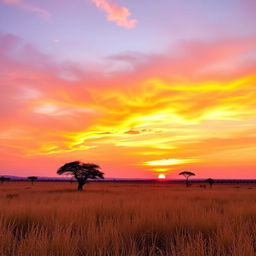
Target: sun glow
(166, 162)
(161, 176)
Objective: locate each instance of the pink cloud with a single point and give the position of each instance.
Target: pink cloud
(194, 60)
(118, 14)
(21, 4)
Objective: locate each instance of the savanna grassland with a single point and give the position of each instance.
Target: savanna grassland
(118, 219)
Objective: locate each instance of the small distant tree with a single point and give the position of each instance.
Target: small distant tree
(3, 179)
(32, 179)
(210, 181)
(187, 175)
(81, 172)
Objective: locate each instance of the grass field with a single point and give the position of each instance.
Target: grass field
(127, 219)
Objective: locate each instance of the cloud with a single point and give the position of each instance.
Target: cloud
(173, 107)
(31, 8)
(118, 14)
(132, 132)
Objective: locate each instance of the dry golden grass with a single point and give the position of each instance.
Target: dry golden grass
(127, 219)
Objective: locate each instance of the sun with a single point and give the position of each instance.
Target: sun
(161, 176)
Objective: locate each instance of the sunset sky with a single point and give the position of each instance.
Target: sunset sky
(140, 87)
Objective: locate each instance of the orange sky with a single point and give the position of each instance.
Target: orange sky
(191, 107)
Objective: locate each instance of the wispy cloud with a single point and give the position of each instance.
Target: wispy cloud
(31, 8)
(167, 162)
(118, 14)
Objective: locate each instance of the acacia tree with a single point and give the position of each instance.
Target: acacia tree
(3, 179)
(210, 181)
(81, 172)
(32, 179)
(187, 175)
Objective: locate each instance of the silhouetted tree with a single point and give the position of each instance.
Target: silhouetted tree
(210, 181)
(3, 179)
(187, 175)
(32, 179)
(81, 172)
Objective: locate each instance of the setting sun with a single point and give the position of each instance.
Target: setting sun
(161, 176)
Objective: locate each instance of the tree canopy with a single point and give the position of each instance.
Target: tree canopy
(33, 178)
(187, 174)
(81, 171)
(210, 181)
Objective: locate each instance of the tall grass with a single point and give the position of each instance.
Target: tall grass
(126, 219)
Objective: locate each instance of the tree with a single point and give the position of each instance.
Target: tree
(3, 179)
(187, 175)
(81, 172)
(210, 181)
(32, 179)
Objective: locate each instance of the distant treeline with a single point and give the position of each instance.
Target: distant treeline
(138, 180)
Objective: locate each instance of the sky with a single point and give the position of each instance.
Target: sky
(141, 88)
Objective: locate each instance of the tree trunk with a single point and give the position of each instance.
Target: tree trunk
(80, 185)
